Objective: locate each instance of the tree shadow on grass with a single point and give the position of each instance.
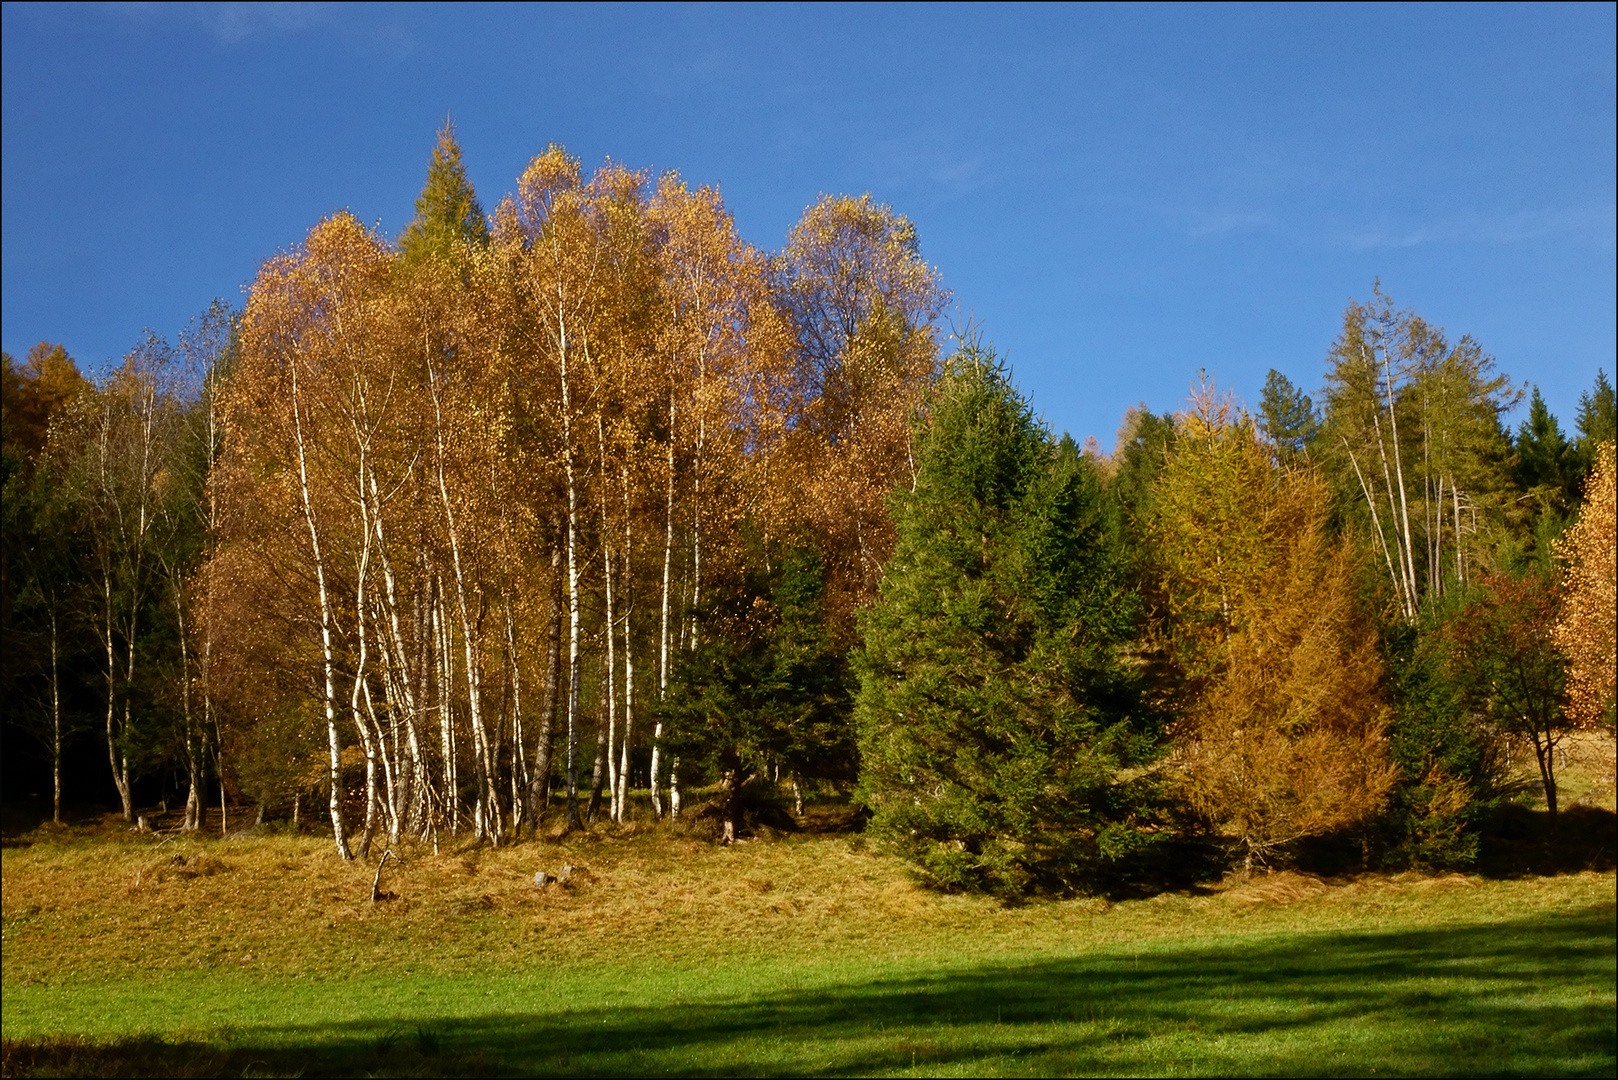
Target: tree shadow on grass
(1532, 997)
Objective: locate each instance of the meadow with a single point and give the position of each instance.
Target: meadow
(808, 954)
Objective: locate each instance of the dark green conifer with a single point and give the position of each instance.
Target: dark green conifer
(1597, 423)
(994, 714)
(1287, 416)
(1546, 463)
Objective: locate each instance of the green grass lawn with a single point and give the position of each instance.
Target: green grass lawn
(801, 957)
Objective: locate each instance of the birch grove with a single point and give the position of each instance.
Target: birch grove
(481, 475)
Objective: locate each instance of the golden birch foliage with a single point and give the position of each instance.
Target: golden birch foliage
(715, 288)
(1586, 630)
(863, 307)
(1283, 733)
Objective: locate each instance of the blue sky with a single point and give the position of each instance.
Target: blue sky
(1120, 195)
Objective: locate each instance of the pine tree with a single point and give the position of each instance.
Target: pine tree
(993, 714)
(1288, 417)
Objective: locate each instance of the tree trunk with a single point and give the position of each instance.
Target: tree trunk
(574, 610)
(598, 772)
(1376, 521)
(521, 781)
(621, 784)
(119, 780)
(541, 792)
(334, 744)
(56, 724)
(486, 818)
(663, 629)
(444, 643)
(1398, 464)
(193, 756)
(361, 725)
(401, 695)
(1455, 501)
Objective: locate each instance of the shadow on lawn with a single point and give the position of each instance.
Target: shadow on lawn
(1529, 997)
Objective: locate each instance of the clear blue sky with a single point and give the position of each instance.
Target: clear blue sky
(1121, 195)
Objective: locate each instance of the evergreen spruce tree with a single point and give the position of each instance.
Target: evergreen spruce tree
(764, 686)
(994, 715)
(1546, 463)
(1597, 422)
(1143, 441)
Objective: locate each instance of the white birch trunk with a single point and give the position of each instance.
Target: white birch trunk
(334, 744)
(396, 670)
(1398, 464)
(486, 817)
(1376, 522)
(1402, 581)
(663, 628)
(620, 791)
(1455, 500)
(605, 749)
(574, 613)
(521, 781)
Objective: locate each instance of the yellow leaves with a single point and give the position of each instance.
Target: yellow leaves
(1586, 630)
(1285, 736)
(547, 187)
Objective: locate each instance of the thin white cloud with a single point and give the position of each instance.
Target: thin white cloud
(1217, 223)
(1590, 222)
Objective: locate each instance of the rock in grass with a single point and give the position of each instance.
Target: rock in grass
(541, 879)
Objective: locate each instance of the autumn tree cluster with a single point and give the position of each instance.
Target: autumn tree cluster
(579, 507)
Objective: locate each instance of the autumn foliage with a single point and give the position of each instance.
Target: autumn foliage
(563, 512)
(1587, 631)
(1283, 731)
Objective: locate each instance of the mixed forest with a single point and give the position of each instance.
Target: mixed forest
(587, 509)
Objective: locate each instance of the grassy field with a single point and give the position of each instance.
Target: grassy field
(808, 955)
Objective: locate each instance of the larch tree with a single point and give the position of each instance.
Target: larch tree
(449, 221)
(1282, 734)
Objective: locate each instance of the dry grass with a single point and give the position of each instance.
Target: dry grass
(82, 908)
